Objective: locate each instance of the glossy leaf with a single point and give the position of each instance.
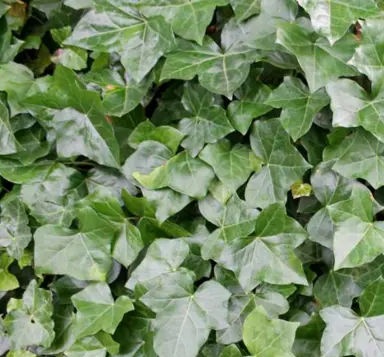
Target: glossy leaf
(299, 106)
(281, 169)
(188, 19)
(320, 61)
(206, 124)
(115, 27)
(220, 70)
(333, 18)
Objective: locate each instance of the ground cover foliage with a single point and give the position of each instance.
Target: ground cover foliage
(192, 178)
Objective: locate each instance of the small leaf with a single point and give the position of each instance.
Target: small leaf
(300, 189)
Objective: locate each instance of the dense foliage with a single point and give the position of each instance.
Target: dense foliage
(185, 178)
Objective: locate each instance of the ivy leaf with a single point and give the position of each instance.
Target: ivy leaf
(93, 346)
(354, 107)
(349, 334)
(96, 310)
(8, 143)
(367, 54)
(320, 61)
(108, 180)
(15, 233)
(299, 106)
(336, 288)
(7, 280)
(300, 189)
(370, 300)
(281, 169)
(245, 8)
(30, 323)
(333, 18)
(16, 80)
(251, 96)
(184, 317)
(234, 218)
(189, 176)
(163, 257)
(272, 243)
(359, 155)
(329, 188)
(355, 230)
(56, 248)
(220, 70)
(115, 27)
(233, 166)
(138, 325)
(168, 202)
(265, 336)
(47, 203)
(231, 351)
(146, 131)
(308, 337)
(121, 94)
(188, 19)
(207, 122)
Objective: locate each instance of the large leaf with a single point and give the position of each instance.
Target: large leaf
(359, 155)
(220, 70)
(333, 18)
(29, 320)
(284, 165)
(84, 254)
(272, 244)
(15, 233)
(357, 240)
(206, 124)
(349, 334)
(52, 198)
(114, 26)
(367, 55)
(320, 61)
(250, 104)
(96, 310)
(121, 94)
(233, 166)
(184, 317)
(264, 336)
(352, 107)
(189, 19)
(299, 106)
